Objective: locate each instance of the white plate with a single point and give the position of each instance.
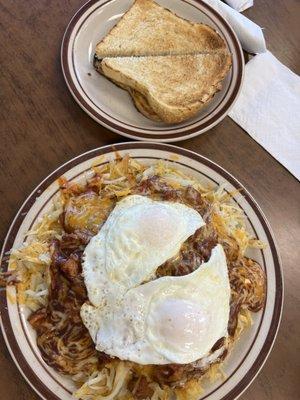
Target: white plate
(248, 355)
(111, 106)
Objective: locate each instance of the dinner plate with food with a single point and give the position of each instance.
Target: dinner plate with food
(140, 271)
(163, 71)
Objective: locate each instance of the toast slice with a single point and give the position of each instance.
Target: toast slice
(169, 88)
(149, 29)
(142, 105)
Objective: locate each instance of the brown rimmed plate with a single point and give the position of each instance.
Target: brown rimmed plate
(111, 106)
(248, 354)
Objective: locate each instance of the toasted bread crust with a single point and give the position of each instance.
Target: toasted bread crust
(172, 88)
(149, 29)
(143, 106)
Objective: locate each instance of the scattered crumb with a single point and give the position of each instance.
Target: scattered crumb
(174, 157)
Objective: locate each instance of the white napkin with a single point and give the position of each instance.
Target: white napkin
(249, 34)
(240, 5)
(268, 108)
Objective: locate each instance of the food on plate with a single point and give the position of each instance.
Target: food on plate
(166, 320)
(139, 235)
(138, 281)
(149, 29)
(170, 66)
(174, 88)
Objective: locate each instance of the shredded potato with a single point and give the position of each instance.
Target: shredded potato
(244, 322)
(31, 263)
(192, 390)
(48, 227)
(85, 206)
(105, 384)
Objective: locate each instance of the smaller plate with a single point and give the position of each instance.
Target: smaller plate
(111, 106)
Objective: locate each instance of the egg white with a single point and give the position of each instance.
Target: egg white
(139, 235)
(168, 320)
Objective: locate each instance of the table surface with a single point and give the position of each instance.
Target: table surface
(43, 127)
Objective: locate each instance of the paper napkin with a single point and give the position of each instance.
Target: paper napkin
(268, 108)
(240, 5)
(250, 35)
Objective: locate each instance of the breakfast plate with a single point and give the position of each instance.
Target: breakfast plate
(251, 350)
(112, 107)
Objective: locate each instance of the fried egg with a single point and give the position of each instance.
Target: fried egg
(139, 235)
(167, 320)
